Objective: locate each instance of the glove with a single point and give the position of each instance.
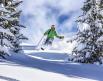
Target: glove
(61, 37)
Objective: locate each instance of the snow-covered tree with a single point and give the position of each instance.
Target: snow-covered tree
(90, 36)
(10, 36)
(15, 14)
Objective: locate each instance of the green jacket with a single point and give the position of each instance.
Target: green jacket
(51, 34)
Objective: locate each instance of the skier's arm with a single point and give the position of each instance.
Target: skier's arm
(46, 32)
(56, 34)
(60, 37)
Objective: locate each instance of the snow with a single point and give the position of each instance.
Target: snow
(48, 65)
(63, 45)
(83, 26)
(36, 75)
(58, 44)
(36, 65)
(7, 31)
(100, 39)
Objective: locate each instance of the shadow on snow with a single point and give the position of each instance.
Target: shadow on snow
(68, 69)
(7, 78)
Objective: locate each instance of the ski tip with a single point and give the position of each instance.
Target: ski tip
(42, 48)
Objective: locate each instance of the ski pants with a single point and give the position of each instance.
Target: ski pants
(48, 41)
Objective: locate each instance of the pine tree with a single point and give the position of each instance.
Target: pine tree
(16, 26)
(90, 39)
(10, 36)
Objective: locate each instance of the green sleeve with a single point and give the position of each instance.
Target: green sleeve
(46, 32)
(56, 34)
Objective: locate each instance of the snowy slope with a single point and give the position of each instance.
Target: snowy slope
(46, 66)
(58, 45)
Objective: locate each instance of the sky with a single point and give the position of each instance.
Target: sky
(39, 15)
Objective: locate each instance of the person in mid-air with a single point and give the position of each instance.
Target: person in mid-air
(51, 34)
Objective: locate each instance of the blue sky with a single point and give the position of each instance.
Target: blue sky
(39, 15)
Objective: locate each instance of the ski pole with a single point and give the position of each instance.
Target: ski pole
(40, 41)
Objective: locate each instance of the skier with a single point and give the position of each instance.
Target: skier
(51, 33)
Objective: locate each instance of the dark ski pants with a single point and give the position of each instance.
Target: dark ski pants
(48, 41)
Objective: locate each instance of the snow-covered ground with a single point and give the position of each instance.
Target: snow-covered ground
(47, 66)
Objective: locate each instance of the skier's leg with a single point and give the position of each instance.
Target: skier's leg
(50, 43)
(46, 41)
(45, 44)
